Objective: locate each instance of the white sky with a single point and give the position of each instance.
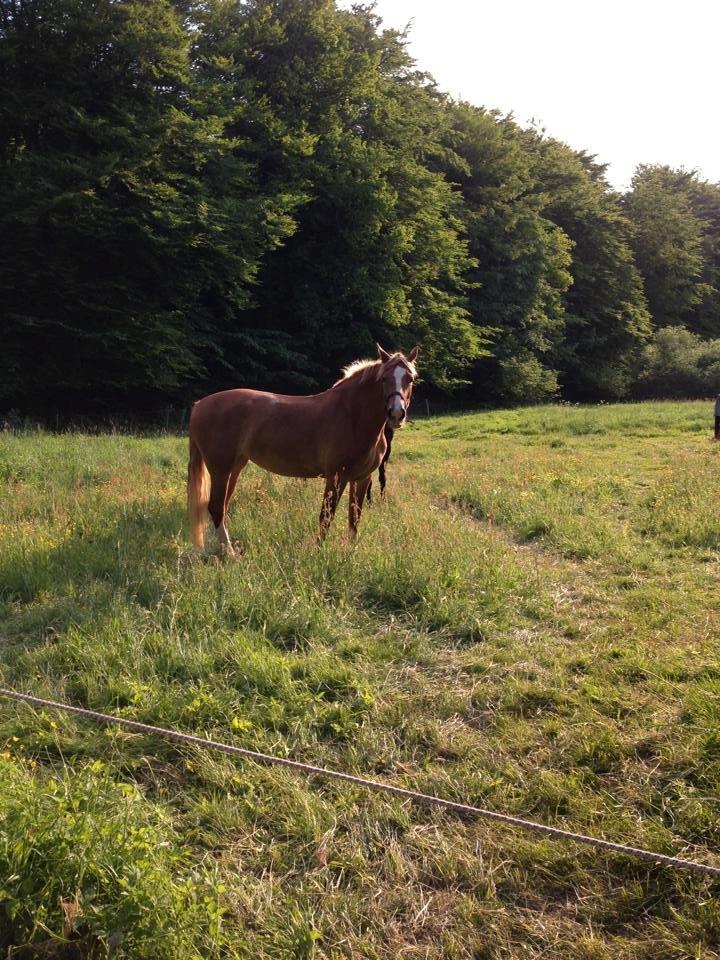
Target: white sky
(631, 82)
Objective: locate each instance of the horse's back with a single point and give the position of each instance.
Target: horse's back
(277, 432)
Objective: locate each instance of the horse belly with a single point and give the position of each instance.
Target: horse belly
(284, 444)
(285, 466)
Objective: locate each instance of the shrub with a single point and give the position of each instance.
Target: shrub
(678, 363)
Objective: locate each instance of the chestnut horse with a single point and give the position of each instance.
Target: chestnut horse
(338, 435)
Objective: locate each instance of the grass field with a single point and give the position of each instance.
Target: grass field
(529, 623)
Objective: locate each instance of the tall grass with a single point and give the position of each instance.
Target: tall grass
(529, 623)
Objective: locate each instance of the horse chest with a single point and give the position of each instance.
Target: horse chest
(362, 462)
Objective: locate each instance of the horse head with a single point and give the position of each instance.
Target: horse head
(398, 376)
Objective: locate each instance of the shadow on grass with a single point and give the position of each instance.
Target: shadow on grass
(44, 589)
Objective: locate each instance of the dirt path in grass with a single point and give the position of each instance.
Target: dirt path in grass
(678, 598)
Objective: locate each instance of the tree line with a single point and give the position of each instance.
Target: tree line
(196, 194)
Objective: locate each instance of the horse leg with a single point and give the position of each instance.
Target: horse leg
(224, 538)
(234, 474)
(389, 433)
(334, 487)
(358, 489)
(219, 485)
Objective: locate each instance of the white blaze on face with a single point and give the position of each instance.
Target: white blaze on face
(396, 407)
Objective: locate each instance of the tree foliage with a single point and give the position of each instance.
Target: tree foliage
(346, 124)
(679, 363)
(124, 216)
(522, 257)
(667, 242)
(605, 313)
(202, 193)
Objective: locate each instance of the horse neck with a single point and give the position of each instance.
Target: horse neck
(367, 406)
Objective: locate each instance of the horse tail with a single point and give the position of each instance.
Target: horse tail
(198, 489)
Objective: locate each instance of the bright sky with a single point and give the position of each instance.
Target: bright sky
(631, 81)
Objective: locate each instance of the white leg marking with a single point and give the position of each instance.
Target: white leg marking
(223, 538)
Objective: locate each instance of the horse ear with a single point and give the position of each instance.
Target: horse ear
(413, 355)
(383, 354)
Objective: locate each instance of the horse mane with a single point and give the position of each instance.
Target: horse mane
(362, 370)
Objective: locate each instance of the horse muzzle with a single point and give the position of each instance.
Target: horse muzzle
(396, 418)
(396, 409)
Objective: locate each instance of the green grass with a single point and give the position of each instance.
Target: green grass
(529, 622)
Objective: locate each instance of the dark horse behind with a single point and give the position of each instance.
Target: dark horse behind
(338, 435)
(389, 434)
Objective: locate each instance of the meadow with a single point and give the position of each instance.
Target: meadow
(529, 623)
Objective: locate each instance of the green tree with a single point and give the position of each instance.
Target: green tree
(679, 363)
(606, 317)
(704, 200)
(127, 226)
(340, 120)
(200, 193)
(522, 256)
(668, 243)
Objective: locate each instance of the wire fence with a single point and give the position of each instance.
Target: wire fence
(375, 785)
